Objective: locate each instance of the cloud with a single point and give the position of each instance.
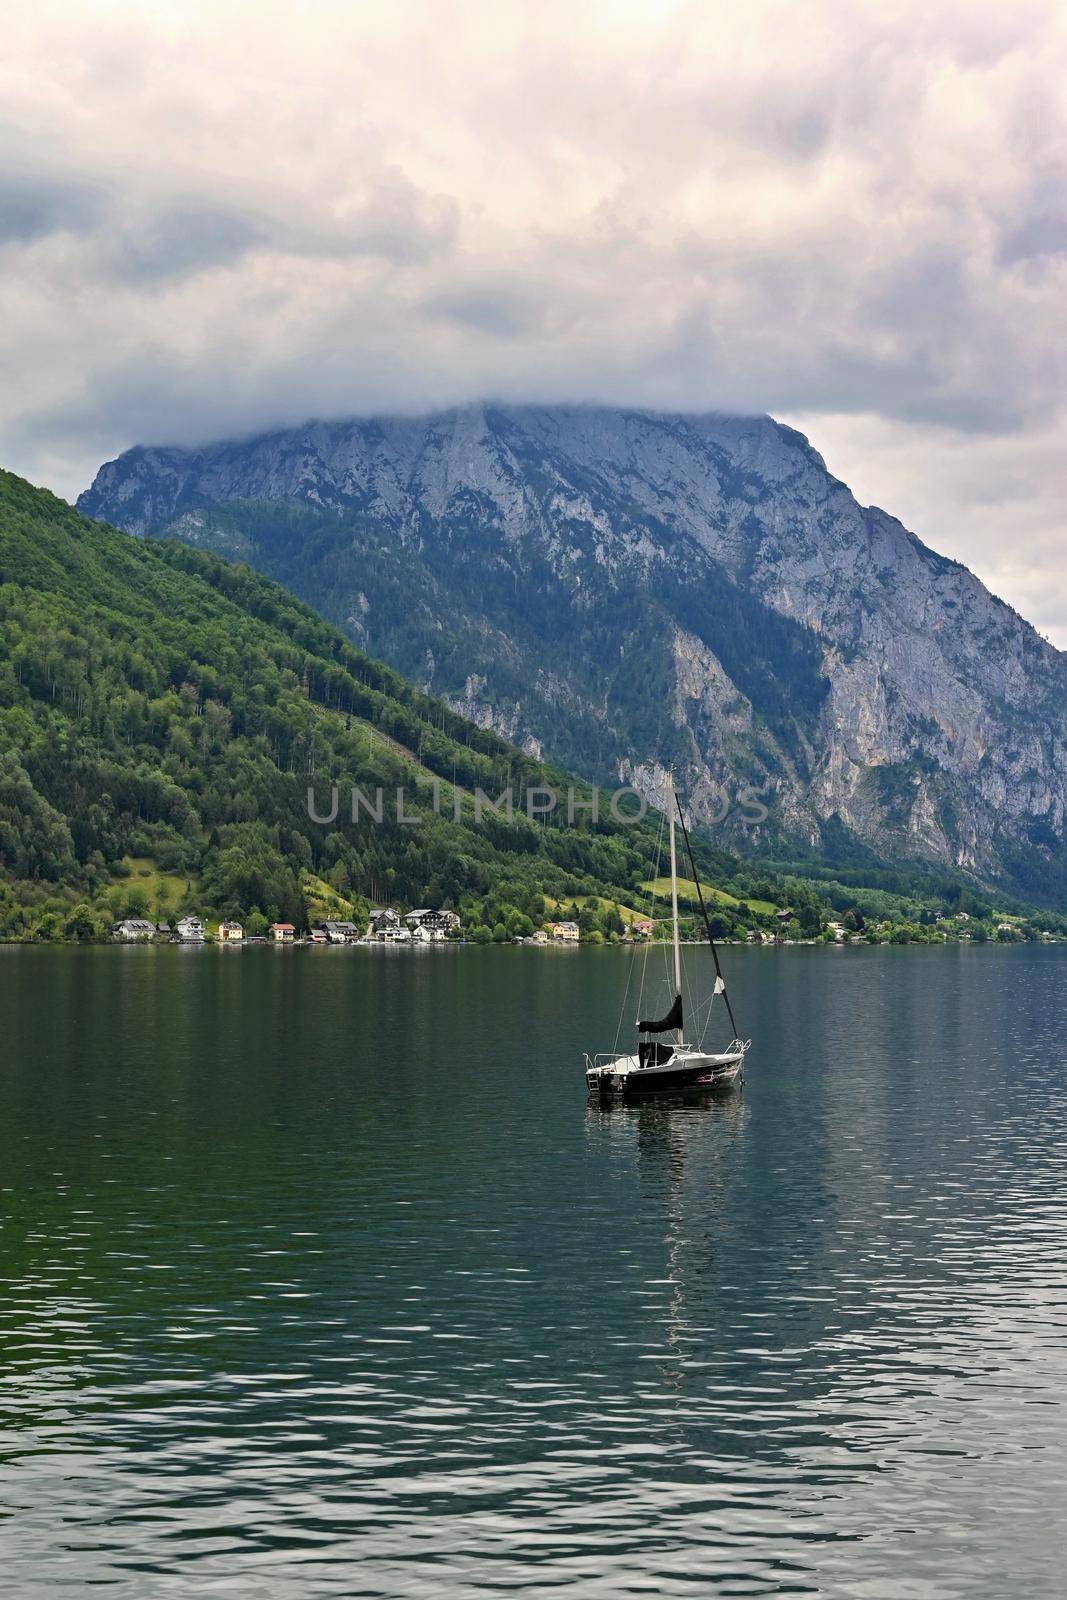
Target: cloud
(32, 207)
(226, 218)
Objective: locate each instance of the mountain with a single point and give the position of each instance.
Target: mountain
(623, 590)
(163, 713)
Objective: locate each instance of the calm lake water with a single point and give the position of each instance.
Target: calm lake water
(318, 1277)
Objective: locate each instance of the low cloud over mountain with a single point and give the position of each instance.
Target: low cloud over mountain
(237, 217)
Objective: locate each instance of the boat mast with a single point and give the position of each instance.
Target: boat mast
(674, 901)
(707, 919)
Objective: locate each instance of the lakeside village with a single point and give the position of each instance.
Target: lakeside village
(425, 926)
(147, 903)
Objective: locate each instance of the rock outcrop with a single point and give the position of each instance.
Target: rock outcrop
(623, 590)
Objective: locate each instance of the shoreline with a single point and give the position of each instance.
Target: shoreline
(420, 947)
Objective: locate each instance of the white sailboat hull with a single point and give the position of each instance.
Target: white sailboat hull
(686, 1068)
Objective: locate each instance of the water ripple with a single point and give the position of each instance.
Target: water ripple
(290, 1310)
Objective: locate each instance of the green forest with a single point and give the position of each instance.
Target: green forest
(162, 715)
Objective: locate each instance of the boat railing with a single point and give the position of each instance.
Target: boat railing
(604, 1059)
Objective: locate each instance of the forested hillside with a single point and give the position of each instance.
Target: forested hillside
(160, 705)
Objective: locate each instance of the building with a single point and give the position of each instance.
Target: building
(436, 924)
(431, 926)
(190, 930)
(230, 932)
(387, 927)
(565, 932)
(318, 936)
(341, 932)
(644, 927)
(282, 932)
(132, 928)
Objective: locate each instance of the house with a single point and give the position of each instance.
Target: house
(436, 924)
(784, 915)
(190, 931)
(383, 920)
(644, 927)
(230, 932)
(540, 937)
(422, 934)
(837, 929)
(341, 932)
(134, 928)
(319, 936)
(282, 932)
(963, 916)
(565, 932)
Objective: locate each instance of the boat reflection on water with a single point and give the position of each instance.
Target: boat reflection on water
(669, 1133)
(687, 1149)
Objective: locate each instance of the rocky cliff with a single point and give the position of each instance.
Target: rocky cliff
(624, 590)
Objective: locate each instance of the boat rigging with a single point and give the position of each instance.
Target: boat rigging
(656, 1066)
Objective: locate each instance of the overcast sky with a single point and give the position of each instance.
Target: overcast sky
(220, 217)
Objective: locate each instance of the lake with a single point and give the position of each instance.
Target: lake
(319, 1277)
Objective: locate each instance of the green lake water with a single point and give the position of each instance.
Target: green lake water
(319, 1277)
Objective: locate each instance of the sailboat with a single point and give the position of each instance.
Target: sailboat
(657, 1065)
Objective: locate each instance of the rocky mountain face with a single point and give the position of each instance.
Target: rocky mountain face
(624, 590)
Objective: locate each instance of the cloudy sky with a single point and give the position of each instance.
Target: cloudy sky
(220, 217)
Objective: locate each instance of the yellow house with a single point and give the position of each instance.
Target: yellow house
(566, 931)
(230, 933)
(282, 932)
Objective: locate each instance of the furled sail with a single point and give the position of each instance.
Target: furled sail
(673, 1019)
(652, 1054)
